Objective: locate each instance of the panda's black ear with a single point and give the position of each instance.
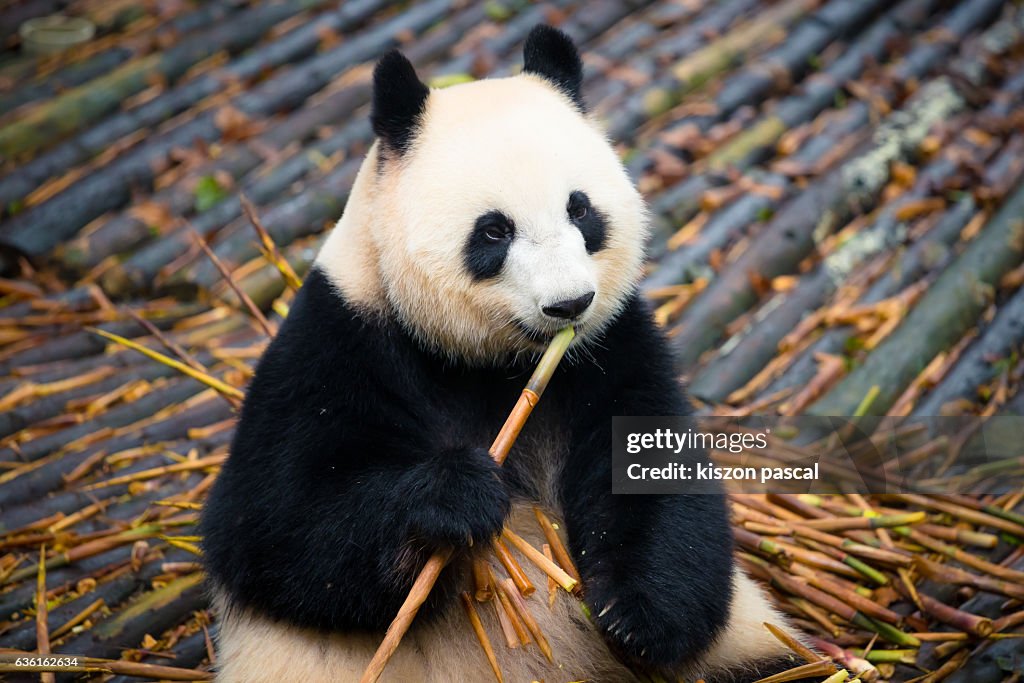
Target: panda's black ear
(399, 100)
(551, 54)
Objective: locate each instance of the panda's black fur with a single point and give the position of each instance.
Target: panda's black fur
(360, 451)
(356, 445)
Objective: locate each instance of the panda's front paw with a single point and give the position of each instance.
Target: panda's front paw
(457, 498)
(642, 628)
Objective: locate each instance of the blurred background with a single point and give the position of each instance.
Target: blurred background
(837, 192)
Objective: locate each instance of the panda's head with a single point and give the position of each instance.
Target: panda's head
(490, 214)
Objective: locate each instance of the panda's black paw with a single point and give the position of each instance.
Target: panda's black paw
(641, 629)
(455, 499)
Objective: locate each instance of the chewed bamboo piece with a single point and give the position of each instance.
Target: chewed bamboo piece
(499, 451)
(481, 580)
(550, 568)
(508, 587)
(558, 550)
(522, 582)
(481, 635)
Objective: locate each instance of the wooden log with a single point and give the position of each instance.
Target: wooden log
(189, 652)
(816, 212)
(724, 227)
(940, 318)
(927, 255)
(150, 613)
(306, 213)
(113, 593)
(819, 90)
(697, 68)
(48, 122)
(170, 394)
(751, 350)
(76, 70)
(78, 344)
(137, 273)
(40, 228)
(981, 361)
(781, 66)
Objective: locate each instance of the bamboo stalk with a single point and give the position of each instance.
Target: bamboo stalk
(550, 568)
(481, 635)
(552, 586)
(793, 644)
(499, 451)
(511, 640)
(271, 252)
(42, 629)
(555, 543)
(230, 280)
(821, 668)
(208, 380)
(481, 580)
(519, 577)
(524, 613)
(78, 618)
(518, 626)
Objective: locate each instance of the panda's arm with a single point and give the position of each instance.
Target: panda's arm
(656, 568)
(343, 477)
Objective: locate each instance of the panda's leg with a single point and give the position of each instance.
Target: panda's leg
(252, 648)
(746, 651)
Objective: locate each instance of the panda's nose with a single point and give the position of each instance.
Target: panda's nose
(570, 308)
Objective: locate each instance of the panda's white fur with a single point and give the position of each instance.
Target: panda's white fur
(511, 144)
(255, 649)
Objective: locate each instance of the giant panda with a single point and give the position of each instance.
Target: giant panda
(486, 216)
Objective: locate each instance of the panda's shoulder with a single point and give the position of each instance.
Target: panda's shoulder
(633, 337)
(324, 340)
(632, 354)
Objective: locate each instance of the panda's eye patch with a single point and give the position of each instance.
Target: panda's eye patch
(590, 221)
(487, 245)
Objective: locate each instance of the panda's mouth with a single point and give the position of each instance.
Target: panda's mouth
(539, 335)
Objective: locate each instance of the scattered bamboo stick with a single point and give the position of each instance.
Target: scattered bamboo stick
(208, 380)
(555, 543)
(550, 568)
(481, 580)
(42, 613)
(511, 639)
(820, 668)
(552, 586)
(793, 644)
(269, 247)
(78, 618)
(522, 633)
(230, 280)
(524, 613)
(481, 635)
(519, 577)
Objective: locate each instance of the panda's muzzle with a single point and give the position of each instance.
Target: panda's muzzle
(570, 309)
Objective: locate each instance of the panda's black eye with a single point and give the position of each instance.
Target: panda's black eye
(579, 205)
(590, 221)
(498, 232)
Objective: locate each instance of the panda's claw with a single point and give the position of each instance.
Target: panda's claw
(607, 608)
